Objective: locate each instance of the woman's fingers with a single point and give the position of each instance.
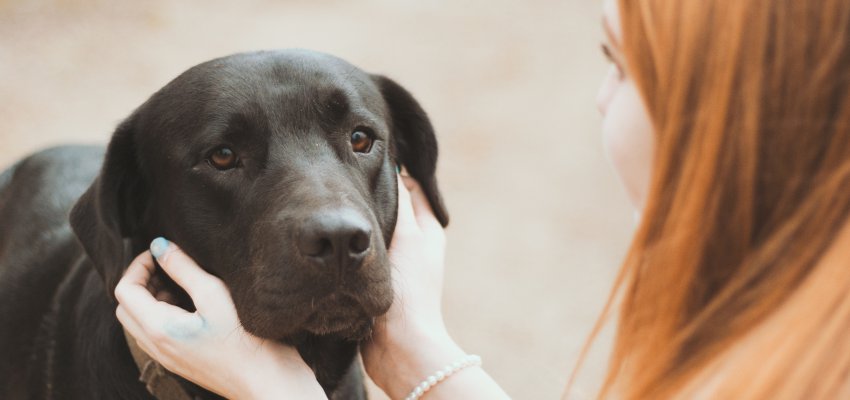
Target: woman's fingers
(136, 331)
(140, 271)
(405, 206)
(420, 206)
(132, 288)
(130, 324)
(201, 286)
(136, 302)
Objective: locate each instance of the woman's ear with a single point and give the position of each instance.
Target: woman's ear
(413, 142)
(108, 213)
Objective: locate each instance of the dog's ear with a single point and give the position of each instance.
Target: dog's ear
(108, 213)
(413, 142)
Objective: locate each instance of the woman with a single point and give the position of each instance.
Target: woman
(729, 124)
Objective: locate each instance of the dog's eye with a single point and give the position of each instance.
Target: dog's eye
(223, 158)
(361, 142)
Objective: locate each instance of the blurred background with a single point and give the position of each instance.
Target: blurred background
(539, 221)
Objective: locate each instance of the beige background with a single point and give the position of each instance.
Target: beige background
(539, 220)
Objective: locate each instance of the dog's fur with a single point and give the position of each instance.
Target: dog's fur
(288, 116)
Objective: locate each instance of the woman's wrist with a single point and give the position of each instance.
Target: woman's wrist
(280, 374)
(405, 353)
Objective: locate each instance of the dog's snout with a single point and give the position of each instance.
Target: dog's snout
(335, 239)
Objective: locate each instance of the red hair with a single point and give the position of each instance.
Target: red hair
(737, 282)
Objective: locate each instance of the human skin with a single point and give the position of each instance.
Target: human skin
(627, 131)
(411, 341)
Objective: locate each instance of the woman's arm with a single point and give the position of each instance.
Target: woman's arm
(411, 343)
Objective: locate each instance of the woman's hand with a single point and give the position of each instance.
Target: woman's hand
(208, 346)
(411, 340)
(417, 254)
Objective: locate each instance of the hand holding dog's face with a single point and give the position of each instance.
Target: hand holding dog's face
(276, 172)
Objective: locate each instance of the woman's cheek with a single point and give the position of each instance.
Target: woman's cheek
(629, 141)
(607, 90)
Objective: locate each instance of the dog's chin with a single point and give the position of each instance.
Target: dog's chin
(354, 328)
(337, 315)
(341, 316)
(346, 328)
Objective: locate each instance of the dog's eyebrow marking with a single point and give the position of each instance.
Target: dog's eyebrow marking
(335, 105)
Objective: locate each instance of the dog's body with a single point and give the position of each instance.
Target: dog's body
(256, 165)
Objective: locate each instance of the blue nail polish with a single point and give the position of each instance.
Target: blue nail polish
(159, 246)
(398, 168)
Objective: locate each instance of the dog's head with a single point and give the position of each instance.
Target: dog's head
(276, 171)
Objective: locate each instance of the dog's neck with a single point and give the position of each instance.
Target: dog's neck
(158, 381)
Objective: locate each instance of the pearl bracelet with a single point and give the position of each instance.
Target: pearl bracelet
(441, 375)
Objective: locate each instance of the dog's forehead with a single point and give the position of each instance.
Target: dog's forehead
(283, 88)
(268, 79)
(259, 72)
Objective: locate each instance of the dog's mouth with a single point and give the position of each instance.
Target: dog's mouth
(339, 315)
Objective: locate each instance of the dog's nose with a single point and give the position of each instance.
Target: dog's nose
(335, 239)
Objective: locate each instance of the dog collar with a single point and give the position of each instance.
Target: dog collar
(159, 382)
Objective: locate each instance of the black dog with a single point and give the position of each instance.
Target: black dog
(274, 170)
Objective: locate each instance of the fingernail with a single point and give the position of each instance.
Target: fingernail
(158, 247)
(398, 168)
